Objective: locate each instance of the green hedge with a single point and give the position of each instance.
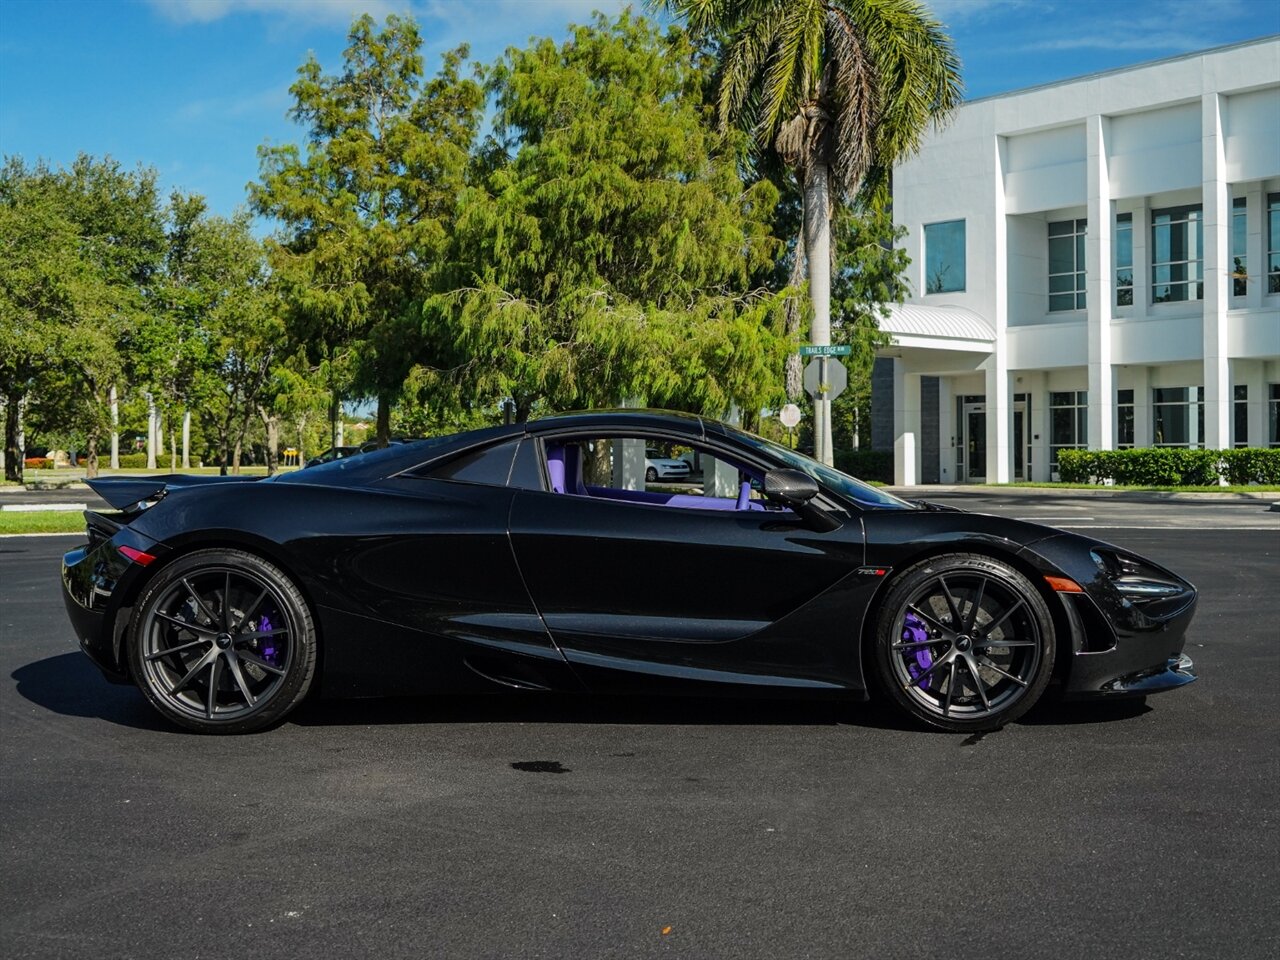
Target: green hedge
(1170, 466)
(874, 465)
(127, 460)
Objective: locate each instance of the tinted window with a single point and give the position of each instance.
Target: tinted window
(490, 465)
(526, 471)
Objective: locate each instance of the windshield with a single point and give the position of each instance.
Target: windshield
(829, 477)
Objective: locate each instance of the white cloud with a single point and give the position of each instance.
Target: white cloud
(327, 12)
(959, 11)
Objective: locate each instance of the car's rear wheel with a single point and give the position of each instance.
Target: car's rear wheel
(965, 643)
(222, 641)
(650, 475)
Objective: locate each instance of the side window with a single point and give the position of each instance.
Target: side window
(651, 471)
(491, 465)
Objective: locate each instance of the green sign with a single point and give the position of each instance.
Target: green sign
(831, 350)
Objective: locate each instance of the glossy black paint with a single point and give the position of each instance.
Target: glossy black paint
(447, 565)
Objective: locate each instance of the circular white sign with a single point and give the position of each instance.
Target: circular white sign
(789, 416)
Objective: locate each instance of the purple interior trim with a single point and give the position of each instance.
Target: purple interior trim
(744, 496)
(679, 500)
(555, 467)
(573, 469)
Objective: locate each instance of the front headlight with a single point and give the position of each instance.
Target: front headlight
(1137, 580)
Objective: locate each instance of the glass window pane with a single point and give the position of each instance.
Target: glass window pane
(1079, 251)
(1124, 297)
(944, 246)
(1061, 255)
(1240, 391)
(1060, 399)
(1062, 301)
(1063, 283)
(1061, 228)
(1080, 302)
(1124, 247)
(1063, 428)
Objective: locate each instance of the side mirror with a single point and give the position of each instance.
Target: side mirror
(793, 488)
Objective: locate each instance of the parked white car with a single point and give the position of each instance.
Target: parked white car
(657, 467)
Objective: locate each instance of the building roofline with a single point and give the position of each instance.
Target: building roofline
(1269, 38)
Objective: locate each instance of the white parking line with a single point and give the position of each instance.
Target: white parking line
(1038, 519)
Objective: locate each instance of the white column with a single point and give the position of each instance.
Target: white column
(1141, 405)
(906, 425)
(1035, 386)
(1254, 376)
(1141, 259)
(999, 419)
(186, 439)
(999, 401)
(1099, 284)
(1255, 252)
(1217, 278)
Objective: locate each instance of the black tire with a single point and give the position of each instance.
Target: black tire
(222, 641)
(650, 475)
(957, 664)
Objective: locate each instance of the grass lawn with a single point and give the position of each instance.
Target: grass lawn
(41, 521)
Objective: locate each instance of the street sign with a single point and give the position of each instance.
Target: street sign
(830, 350)
(789, 416)
(837, 378)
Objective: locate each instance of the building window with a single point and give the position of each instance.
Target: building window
(1124, 419)
(1240, 415)
(1239, 246)
(1273, 243)
(1124, 260)
(1068, 422)
(1066, 265)
(1178, 417)
(944, 257)
(1273, 417)
(1177, 254)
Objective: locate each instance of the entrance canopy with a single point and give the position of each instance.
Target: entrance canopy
(938, 340)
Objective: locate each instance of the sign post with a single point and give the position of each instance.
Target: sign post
(826, 370)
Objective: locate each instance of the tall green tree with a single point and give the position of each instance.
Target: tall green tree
(86, 241)
(366, 206)
(843, 89)
(607, 249)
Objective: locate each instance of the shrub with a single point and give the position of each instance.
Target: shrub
(38, 463)
(1169, 466)
(876, 465)
(133, 460)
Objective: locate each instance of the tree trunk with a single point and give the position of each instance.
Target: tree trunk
(173, 448)
(114, 400)
(523, 409)
(235, 456)
(794, 368)
(384, 421)
(817, 244)
(151, 432)
(13, 451)
(91, 450)
(335, 427)
(186, 439)
(272, 425)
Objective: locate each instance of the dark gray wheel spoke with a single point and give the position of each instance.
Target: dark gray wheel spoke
(260, 664)
(215, 674)
(226, 603)
(936, 664)
(951, 604)
(992, 627)
(951, 689)
(233, 664)
(913, 644)
(200, 604)
(946, 631)
(252, 608)
(190, 675)
(1001, 644)
(187, 624)
(1003, 673)
(179, 648)
(975, 605)
(261, 634)
(972, 667)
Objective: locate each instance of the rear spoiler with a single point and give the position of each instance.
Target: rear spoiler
(126, 492)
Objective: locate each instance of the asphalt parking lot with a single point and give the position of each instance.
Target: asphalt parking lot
(509, 827)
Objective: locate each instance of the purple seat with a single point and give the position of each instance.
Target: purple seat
(555, 467)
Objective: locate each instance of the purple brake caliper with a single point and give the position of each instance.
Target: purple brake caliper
(914, 631)
(268, 648)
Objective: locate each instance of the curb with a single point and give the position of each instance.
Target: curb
(926, 490)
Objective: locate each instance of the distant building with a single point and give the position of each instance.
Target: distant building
(1096, 263)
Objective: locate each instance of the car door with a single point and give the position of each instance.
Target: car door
(677, 595)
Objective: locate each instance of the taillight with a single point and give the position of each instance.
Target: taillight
(137, 556)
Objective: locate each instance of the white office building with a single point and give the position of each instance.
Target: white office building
(1096, 264)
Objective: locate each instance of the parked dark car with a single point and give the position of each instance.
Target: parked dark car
(512, 559)
(333, 453)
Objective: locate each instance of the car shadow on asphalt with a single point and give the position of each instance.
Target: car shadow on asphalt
(68, 684)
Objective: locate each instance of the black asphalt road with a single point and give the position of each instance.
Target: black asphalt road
(559, 829)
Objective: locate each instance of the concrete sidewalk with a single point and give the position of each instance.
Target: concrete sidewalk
(927, 491)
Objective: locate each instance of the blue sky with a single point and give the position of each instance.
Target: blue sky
(192, 87)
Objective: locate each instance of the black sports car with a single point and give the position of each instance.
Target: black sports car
(532, 557)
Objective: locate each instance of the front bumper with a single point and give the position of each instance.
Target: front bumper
(1124, 643)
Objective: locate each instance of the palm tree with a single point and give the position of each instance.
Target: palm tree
(843, 89)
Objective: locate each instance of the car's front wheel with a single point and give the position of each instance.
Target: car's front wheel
(222, 641)
(650, 475)
(964, 642)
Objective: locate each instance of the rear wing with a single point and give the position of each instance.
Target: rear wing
(125, 493)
